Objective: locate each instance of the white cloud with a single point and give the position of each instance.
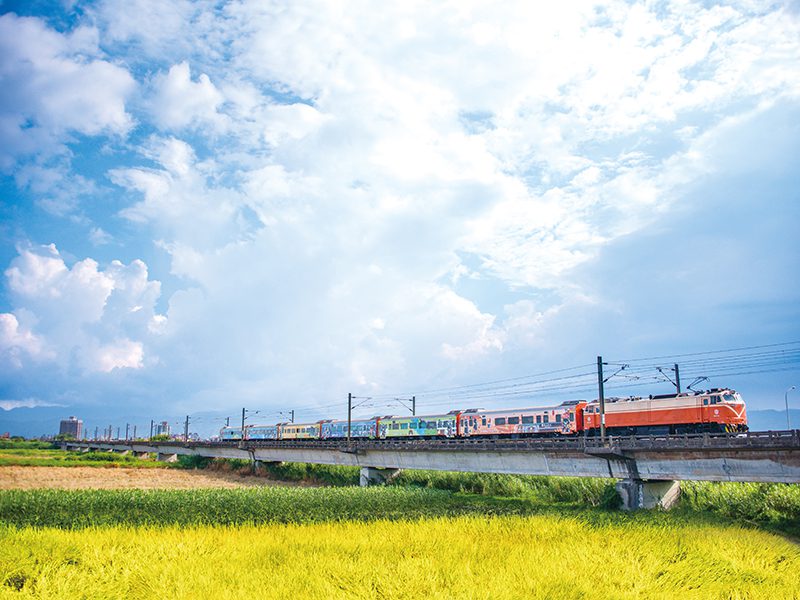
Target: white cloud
(179, 102)
(79, 316)
(55, 84)
(27, 403)
(15, 340)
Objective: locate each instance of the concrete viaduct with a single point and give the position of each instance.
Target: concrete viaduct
(649, 468)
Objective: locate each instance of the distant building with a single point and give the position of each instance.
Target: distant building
(162, 428)
(71, 426)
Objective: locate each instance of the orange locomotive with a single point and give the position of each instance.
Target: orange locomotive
(716, 410)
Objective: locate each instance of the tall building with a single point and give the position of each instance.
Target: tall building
(162, 428)
(71, 426)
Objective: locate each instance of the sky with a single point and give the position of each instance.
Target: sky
(213, 205)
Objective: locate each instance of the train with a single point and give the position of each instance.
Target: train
(712, 411)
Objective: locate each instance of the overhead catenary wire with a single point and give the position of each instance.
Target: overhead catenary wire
(765, 358)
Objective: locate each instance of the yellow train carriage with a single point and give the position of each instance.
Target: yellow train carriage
(300, 431)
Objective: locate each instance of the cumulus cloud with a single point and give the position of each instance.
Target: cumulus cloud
(55, 84)
(179, 102)
(80, 316)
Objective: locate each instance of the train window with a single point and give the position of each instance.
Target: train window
(546, 418)
(513, 420)
(538, 418)
(714, 399)
(395, 426)
(527, 420)
(558, 418)
(705, 401)
(483, 421)
(500, 421)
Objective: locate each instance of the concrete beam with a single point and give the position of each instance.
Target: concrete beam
(637, 494)
(374, 476)
(164, 457)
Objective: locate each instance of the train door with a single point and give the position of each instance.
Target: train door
(704, 405)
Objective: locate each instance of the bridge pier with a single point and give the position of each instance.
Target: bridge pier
(637, 494)
(165, 457)
(141, 454)
(376, 476)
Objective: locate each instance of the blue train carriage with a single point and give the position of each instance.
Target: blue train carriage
(301, 431)
(262, 432)
(426, 426)
(359, 428)
(230, 433)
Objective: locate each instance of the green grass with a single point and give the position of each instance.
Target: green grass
(775, 505)
(87, 508)
(26, 444)
(30, 457)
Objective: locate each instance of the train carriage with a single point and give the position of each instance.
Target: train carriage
(300, 431)
(563, 419)
(425, 426)
(359, 428)
(230, 433)
(263, 432)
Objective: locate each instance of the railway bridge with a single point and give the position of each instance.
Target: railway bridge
(649, 468)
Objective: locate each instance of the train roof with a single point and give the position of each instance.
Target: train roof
(436, 416)
(566, 404)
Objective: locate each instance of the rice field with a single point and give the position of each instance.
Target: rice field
(539, 556)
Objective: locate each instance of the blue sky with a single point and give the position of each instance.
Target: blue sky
(209, 205)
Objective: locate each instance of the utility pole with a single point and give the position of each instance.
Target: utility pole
(127, 430)
(227, 421)
(243, 431)
(349, 414)
(602, 398)
(292, 413)
(413, 406)
(186, 430)
(118, 432)
(134, 432)
(151, 427)
(96, 430)
(677, 378)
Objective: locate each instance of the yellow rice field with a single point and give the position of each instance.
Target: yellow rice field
(468, 557)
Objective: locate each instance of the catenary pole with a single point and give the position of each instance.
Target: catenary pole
(602, 398)
(349, 414)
